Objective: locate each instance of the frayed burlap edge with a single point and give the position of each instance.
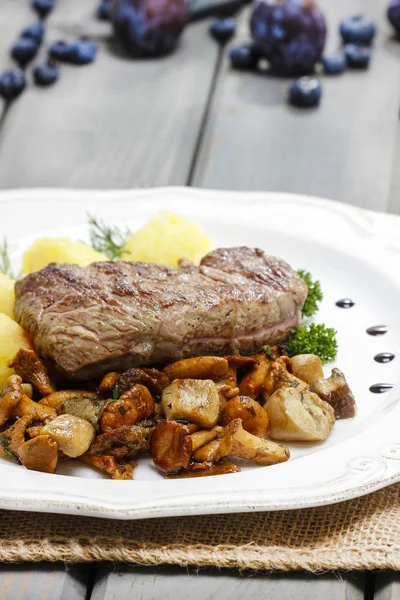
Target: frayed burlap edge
(360, 534)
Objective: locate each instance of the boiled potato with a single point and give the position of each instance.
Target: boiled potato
(12, 338)
(165, 239)
(7, 295)
(61, 250)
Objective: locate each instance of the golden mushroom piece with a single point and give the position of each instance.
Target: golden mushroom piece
(233, 441)
(200, 367)
(307, 367)
(193, 400)
(39, 454)
(28, 365)
(252, 383)
(335, 390)
(254, 417)
(171, 447)
(133, 406)
(72, 434)
(298, 415)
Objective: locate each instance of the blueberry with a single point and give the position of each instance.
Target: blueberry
(334, 65)
(103, 11)
(357, 57)
(223, 29)
(305, 92)
(61, 51)
(394, 14)
(244, 57)
(24, 50)
(357, 30)
(12, 84)
(142, 31)
(290, 34)
(46, 74)
(84, 52)
(42, 7)
(34, 32)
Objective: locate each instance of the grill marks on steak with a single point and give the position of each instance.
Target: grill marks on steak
(112, 316)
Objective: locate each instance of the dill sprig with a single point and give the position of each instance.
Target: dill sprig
(110, 241)
(5, 263)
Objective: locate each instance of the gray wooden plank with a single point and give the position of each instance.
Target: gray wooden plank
(44, 581)
(394, 194)
(114, 124)
(343, 150)
(387, 586)
(174, 583)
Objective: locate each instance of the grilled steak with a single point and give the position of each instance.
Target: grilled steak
(115, 315)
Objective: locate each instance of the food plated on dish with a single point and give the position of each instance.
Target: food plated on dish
(196, 365)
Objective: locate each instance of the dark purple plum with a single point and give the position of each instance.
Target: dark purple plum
(290, 34)
(148, 27)
(394, 14)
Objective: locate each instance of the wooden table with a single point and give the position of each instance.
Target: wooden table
(190, 120)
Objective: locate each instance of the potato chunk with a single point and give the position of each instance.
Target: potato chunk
(298, 415)
(12, 338)
(165, 239)
(62, 250)
(7, 295)
(193, 400)
(73, 434)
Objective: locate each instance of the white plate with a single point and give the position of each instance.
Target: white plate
(354, 253)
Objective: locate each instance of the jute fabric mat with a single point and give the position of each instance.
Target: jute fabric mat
(358, 534)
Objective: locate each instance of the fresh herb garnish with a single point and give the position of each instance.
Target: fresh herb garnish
(313, 339)
(122, 410)
(314, 296)
(110, 241)
(268, 351)
(5, 263)
(116, 393)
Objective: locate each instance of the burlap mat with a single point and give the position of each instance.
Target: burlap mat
(359, 534)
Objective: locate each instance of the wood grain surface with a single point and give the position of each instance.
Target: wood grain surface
(44, 581)
(114, 124)
(344, 150)
(169, 583)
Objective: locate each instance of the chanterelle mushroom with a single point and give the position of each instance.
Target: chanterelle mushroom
(11, 395)
(298, 415)
(336, 392)
(193, 400)
(234, 441)
(28, 365)
(171, 447)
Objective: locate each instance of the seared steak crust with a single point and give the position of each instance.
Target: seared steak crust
(115, 315)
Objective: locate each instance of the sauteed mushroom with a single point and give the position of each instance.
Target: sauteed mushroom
(252, 383)
(28, 365)
(72, 434)
(39, 454)
(200, 367)
(299, 415)
(254, 417)
(131, 407)
(307, 367)
(171, 447)
(234, 441)
(335, 390)
(194, 400)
